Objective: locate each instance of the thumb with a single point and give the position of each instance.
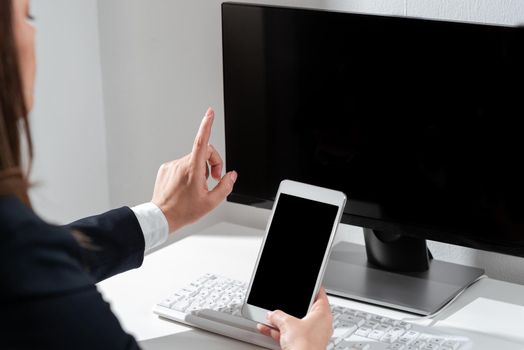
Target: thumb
(321, 305)
(322, 297)
(223, 188)
(279, 319)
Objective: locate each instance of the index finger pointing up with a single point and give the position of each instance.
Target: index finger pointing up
(202, 137)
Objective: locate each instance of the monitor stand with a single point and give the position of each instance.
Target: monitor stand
(380, 277)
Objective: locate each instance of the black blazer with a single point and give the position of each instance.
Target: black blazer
(48, 298)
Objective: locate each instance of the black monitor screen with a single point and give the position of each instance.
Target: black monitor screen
(420, 123)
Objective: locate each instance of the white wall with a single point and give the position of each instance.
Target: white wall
(162, 68)
(506, 12)
(70, 164)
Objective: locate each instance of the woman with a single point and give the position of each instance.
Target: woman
(48, 298)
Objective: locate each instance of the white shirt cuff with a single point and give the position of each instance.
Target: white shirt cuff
(153, 224)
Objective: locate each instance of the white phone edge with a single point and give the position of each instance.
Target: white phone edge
(306, 191)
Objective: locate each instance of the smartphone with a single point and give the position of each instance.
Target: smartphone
(295, 250)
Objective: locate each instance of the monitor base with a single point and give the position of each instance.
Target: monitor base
(349, 275)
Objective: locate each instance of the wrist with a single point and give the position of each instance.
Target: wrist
(305, 345)
(153, 224)
(173, 223)
(167, 221)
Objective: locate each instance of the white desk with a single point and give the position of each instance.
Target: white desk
(491, 313)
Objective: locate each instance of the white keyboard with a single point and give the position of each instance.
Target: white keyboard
(214, 303)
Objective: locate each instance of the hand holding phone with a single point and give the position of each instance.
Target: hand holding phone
(312, 332)
(294, 253)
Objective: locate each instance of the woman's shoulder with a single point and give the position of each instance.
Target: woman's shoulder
(21, 226)
(36, 258)
(16, 216)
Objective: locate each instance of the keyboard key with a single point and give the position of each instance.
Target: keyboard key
(209, 284)
(382, 327)
(341, 331)
(425, 337)
(452, 344)
(404, 340)
(352, 319)
(371, 324)
(192, 308)
(396, 346)
(411, 336)
(388, 338)
(411, 347)
(192, 287)
(437, 340)
(181, 306)
(402, 324)
(350, 311)
(167, 302)
(214, 296)
(398, 330)
(363, 331)
(376, 335)
(388, 321)
(363, 315)
(210, 304)
(377, 318)
(418, 343)
(337, 309)
(189, 292)
(202, 280)
(345, 345)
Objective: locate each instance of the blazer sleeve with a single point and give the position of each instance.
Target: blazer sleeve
(110, 243)
(48, 301)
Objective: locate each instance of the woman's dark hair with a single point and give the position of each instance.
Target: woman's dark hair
(14, 123)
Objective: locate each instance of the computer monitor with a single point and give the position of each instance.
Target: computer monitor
(419, 122)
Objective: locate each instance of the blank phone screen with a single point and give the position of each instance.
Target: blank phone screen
(292, 255)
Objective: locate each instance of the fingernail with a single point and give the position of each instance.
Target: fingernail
(268, 315)
(209, 112)
(234, 176)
